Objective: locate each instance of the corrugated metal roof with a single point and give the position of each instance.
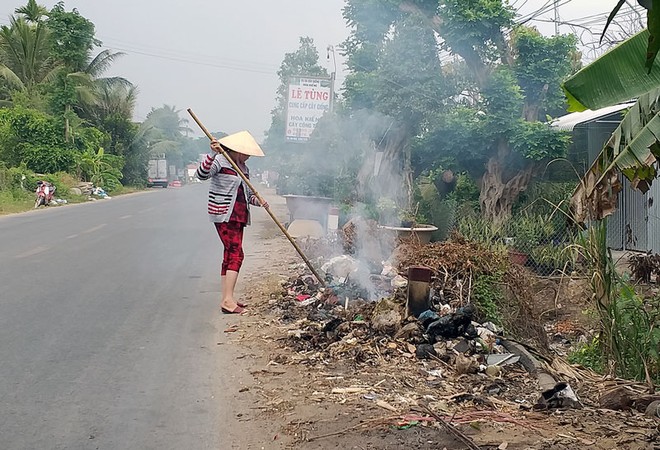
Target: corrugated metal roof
(570, 121)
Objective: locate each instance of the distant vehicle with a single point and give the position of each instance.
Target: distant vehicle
(175, 183)
(157, 173)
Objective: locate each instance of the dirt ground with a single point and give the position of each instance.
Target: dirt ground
(318, 402)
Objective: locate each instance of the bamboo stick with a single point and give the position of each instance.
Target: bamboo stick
(261, 200)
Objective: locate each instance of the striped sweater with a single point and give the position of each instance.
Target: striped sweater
(224, 187)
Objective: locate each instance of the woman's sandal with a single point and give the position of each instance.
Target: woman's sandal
(242, 305)
(238, 310)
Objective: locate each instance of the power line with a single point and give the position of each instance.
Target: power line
(177, 54)
(547, 7)
(196, 62)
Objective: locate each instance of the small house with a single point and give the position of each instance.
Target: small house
(635, 225)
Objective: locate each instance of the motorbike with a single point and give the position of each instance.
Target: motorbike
(44, 193)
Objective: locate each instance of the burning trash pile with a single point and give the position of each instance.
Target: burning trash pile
(364, 314)
(364, 339)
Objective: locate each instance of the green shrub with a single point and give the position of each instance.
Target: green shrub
(466, 193)
(488, 296)
(589, 355)
(636, 335)
(435, 210)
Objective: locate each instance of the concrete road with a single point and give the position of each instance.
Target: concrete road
(109, 328)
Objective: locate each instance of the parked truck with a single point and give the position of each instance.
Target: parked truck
(157, 173)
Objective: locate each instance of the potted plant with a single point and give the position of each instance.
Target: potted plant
(528, 233)
(408, 227)
(407, 218)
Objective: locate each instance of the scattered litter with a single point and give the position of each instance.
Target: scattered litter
(383, 404)
(99, 192)
(356, 327)
(454, 325)
(399, 282)
(425, 351)
(349, 390)
(653, 410)
(341, 266)
(502, 359)
(561, 396)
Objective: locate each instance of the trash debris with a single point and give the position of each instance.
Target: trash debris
(653, 410)
(389, 271)
(386, 318)
(448, 358)
(454, 325)
(466, 364)
(99, 192)
(341, 266)
(493, 371)
(349, 390)
(502, 359)
(425, 351)
(561, 396)
(404, 425)
(383, 404)
(399, 282)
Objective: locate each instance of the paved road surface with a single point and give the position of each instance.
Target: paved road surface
(109, 327)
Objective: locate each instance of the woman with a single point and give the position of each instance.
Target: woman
(228, 206)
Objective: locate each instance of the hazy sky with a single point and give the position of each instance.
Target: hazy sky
(220, 57)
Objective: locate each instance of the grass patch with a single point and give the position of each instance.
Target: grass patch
(123, 190)
(14, 201)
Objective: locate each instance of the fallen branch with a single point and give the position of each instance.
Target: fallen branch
(453, 430)
(354, 427)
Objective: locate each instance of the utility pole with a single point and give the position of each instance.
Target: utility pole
(331, 49)
(556, 17)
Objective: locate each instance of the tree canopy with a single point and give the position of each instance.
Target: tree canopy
(58, 110)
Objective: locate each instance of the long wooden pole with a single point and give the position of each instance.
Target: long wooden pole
(254, 191)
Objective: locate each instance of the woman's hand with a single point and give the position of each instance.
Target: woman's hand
(264, 204)
(215, 146)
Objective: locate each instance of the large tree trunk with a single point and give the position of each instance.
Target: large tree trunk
(499, 192)
(390, 181)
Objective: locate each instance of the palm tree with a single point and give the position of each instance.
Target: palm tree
(167, 119)
(165, 130)
(90, 87)
(32, 12)
(111, 99)
(25, 62)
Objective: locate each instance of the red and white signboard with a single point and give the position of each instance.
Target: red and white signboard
(309, 98)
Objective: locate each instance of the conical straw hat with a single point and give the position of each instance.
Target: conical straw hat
(242, 142)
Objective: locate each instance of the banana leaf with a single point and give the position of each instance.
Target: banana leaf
(617, 76)
(633, 150)
(653, 25)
